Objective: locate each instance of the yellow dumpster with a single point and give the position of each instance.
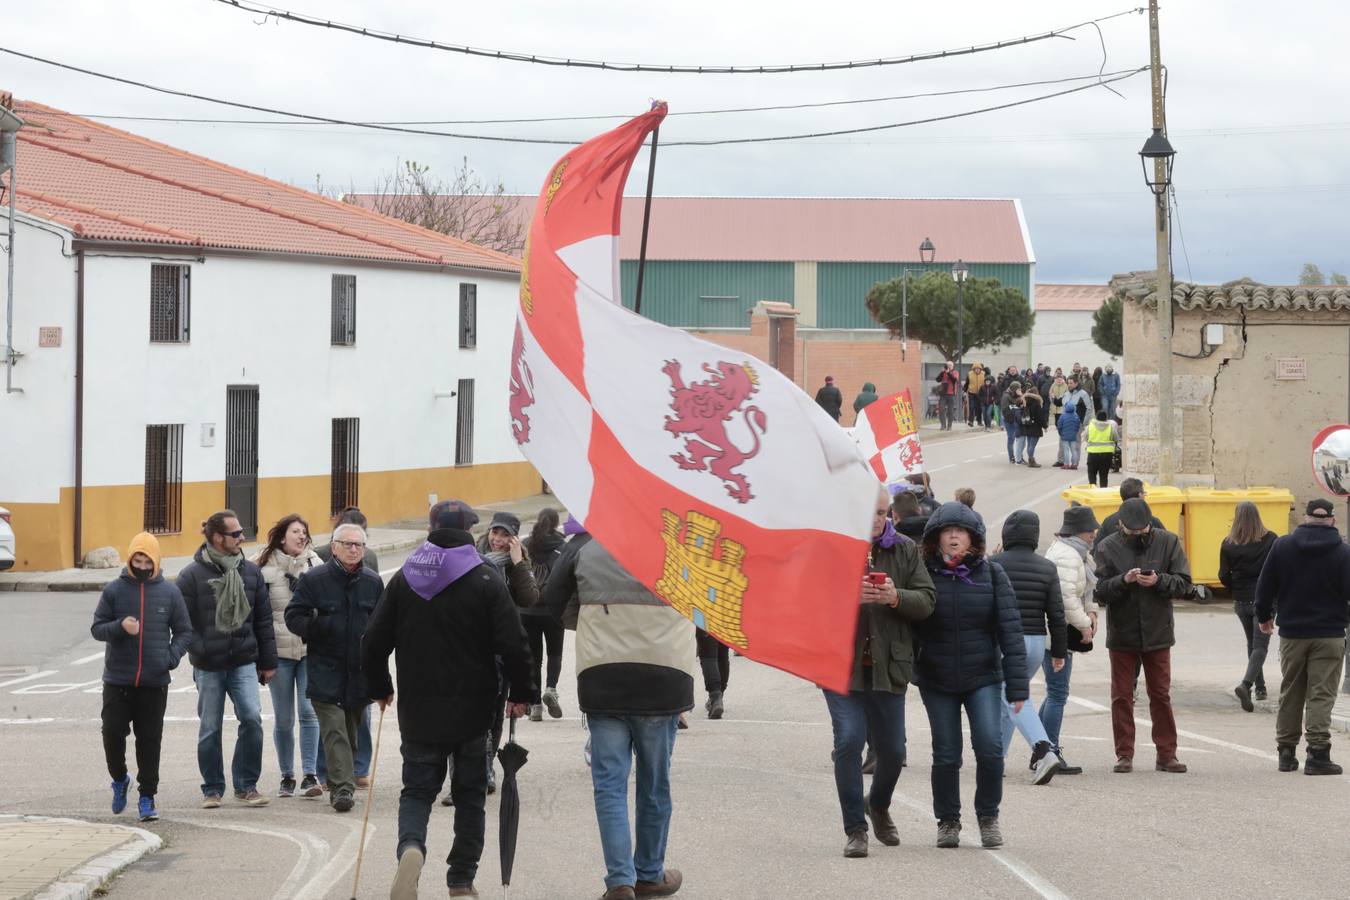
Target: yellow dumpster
(1209, 518)
(1166, 502)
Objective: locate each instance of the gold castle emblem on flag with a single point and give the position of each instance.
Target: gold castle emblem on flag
(702, 578)
(903, 411)
(554, 183)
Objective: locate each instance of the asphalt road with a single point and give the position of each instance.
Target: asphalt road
(755, 809)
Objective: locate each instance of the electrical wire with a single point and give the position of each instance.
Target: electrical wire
(540, 59)
(592, 118)
(556, 142)
(1176, 209)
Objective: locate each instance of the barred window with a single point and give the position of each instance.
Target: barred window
(468, 316)
(163, 479)
(170, 304)
(344, 310)
(346, 463)
(464, 424)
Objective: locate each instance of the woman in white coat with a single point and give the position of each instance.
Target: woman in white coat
(1070, 554)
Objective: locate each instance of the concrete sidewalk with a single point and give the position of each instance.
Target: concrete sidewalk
(64, 859)
(1340, 714)
(389, 538)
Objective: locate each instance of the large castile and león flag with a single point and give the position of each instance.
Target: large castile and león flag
(707, 474)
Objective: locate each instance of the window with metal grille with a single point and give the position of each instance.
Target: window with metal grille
(346, 463)
(468, 316)
(163, 479)
(170, 304)
(344, 310)
(464, 424)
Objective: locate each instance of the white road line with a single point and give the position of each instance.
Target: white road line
(1191, 735)
(88, 659)
(993, 528)
(32, 677)
(385, 573)
(323, 882)
(55, 687)
(298, 871)
(31, 721)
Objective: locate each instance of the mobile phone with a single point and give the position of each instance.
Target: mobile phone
(1148, 572)
(876, 578)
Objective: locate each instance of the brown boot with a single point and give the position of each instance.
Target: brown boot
(670, 882)
(856, 848)
(883, 826)
(1124, 765)
(1173, 765)
(619, 892)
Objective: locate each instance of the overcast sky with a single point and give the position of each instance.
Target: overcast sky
(1256, 92)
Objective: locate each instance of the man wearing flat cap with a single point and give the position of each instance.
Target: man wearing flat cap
(1305, 589)
(1140, 571)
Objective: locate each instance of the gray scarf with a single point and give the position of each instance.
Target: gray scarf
(1082, 547)
(232, 606)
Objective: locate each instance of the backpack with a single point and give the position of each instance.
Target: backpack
(542, 566)
(1082, 409)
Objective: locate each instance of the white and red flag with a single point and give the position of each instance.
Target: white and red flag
(888, 436)
(707, 474)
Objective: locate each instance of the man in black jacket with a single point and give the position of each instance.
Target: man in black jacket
(830, 399)
(447, 615)
(1036, 583)
(329, 611)
(233, 650)
(1140, 571)
(1307, 578)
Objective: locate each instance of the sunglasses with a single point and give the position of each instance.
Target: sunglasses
(237, 533)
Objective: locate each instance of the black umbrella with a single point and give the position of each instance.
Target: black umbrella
(512, 757)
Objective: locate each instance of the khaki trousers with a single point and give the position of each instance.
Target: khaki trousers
(1310, 670)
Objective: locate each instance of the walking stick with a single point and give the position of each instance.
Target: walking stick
(370, 800)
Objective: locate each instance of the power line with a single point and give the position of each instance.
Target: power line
(529, 140)
(592, 118)
(540, 59)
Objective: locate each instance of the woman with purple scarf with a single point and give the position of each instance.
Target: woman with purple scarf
(972, 654)
(895, 593)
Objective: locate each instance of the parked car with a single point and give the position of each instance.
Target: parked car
(6, 541)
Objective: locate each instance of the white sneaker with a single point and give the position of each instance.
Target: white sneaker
(407, 875)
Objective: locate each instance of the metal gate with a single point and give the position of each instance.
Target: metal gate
(346, 473)
(241, 456)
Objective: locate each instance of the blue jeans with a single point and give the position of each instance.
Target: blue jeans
(1109, 402)
(241, 684)
(287, 688)
(1056, 695)
(1027, 721)
(1026, 442)
(854, 716)
(424, 768)
(361, 760)
(1011, 429)
(615, 741)
(982, 707)
(1069, 452)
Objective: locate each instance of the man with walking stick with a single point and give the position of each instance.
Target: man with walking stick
(447, 615)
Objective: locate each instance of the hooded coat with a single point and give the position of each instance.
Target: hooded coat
(519, 576)
(1109, 384)
(446, 615)
(866, 396)
(329, 612)
(217, 651)
(143, 659)
(1307, 577)
(1035, 580)
(974, 636)
(975, 379)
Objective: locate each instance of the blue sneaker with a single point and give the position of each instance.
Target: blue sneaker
(147, 809)
(120, 789)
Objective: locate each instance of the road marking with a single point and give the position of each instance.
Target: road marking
(55, 687)
(301, 866)
(32, 677)
(323, 882)
(998, 523)
(385, 573)
(88, 659)
(30, 721)
(1194, 736)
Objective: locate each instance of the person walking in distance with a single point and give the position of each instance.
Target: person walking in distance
(1305, 589)
(866, 397)
(896, 593)
(1077, 578)
(144, 622)
(287, 556)
(329, 612)
(989, 396)
(949, 390)
(830, 399)
(634, 677)
(1031, 429)
(544, 546)
(233, 650)
(714, 658)
(1101, 448)
(1140, 571)
(1241, 556)
(448, 617)
(974, 408)
(973, 658)
(1035, 582)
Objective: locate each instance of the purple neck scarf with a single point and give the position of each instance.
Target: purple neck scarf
(960, 571)
(432, 569)
(572, 526)
(889, 537)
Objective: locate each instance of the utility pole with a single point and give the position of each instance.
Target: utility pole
(1166, 463)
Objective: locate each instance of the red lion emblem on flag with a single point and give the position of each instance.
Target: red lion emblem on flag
(522, 389)
(702, 410)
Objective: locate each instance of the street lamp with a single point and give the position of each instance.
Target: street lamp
(926, 254)
(1157, 148)
(959, 274)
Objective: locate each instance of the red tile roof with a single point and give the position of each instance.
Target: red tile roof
(1071, 297)
(109, 185)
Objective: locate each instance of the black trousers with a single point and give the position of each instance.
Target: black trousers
(126, 707)
(1098, 467)
(545, 633)
(424, 766)
(715, 659)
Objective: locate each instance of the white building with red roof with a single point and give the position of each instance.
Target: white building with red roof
(186, 337)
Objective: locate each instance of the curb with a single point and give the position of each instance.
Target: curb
(83, 883)
(1338, 722)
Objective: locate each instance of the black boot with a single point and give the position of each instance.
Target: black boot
(715, 708)
(1288, 761)
(1319, 761)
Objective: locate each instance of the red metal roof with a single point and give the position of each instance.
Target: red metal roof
(1071, 297)
(109, 185)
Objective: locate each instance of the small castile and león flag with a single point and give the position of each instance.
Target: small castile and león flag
(708, 475)
(887, 433)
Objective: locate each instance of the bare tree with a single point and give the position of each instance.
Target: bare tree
(466, 206)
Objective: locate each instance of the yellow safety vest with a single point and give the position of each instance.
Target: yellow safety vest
(1099, 438)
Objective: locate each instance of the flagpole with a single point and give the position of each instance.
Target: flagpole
(646, 221)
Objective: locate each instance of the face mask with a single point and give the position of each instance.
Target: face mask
(1140, 542)
(141, 574)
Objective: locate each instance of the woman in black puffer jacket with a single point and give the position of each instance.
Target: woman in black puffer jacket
(974, 630)
(1241, 556)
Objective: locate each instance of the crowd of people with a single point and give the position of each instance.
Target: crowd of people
(968, 625)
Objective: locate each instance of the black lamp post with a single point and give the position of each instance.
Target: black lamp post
(959, 274)
(1157, 147)
(926, 253)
